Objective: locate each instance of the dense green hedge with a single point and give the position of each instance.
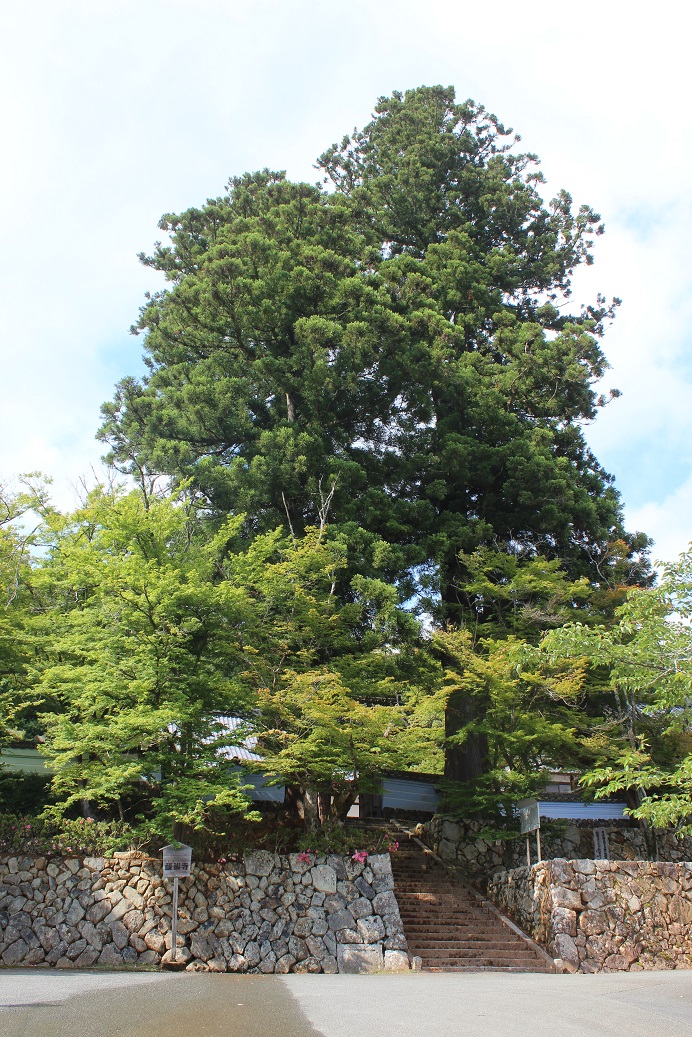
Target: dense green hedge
(23, 793)
(40, 836)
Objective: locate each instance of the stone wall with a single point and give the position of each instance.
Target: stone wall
(603, 916)
(462, 844)
(265, 914)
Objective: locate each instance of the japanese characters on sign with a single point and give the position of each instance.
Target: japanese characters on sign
(177, 861)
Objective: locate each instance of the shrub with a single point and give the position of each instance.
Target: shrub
(22, 792)
(38, 836)
(335, 837)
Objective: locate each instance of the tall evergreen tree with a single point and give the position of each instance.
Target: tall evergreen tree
(396, 349)
(499, 378)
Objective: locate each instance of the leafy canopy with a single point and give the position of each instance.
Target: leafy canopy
(647, 655)
(155, 628)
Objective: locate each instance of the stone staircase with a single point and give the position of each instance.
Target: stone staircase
(451, 928)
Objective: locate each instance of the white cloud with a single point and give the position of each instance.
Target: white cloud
(668, 521)
(122, 110)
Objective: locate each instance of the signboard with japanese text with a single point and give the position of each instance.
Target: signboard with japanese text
(177, 861)
(529, 815)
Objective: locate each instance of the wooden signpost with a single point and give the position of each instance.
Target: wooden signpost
(530, 821)
(177, 862)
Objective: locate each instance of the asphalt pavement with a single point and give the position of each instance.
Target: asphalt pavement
(43, 1003)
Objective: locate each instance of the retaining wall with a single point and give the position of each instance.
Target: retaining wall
(461, 843)
(268, 913)
(603, 916)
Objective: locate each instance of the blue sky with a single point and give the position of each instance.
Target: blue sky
(117, 111)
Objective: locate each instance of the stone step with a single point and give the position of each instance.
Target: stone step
(435, 912)
(456, 925)
(471, 969)
(430, 902)
(466, 945)
(481, 959)
(483, 943)
(438, 911)
(414, 901)
(507, 956)
(462, 955)
(431, 898)
(448, 928)
(435, 896)
(478, 966)
(424, 890)
(481, 922)
(445, 924)
(456, 935)
(432, 907)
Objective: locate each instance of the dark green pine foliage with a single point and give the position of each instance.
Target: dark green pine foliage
(498, 378)
(264, 357)
(396, 350)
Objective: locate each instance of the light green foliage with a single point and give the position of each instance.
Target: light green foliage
(647, 654)
(323, 739)
(312, 660)
(504, 594)
(20, 507)
(526, 715)
(137, 643)
(507, 601)
(154, 625)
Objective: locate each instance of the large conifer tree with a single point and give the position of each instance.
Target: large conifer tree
(397, 346)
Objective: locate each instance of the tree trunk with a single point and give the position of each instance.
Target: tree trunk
(324, 806)
(342, 804)
(463, 763)
(311, 809)
(293, 801)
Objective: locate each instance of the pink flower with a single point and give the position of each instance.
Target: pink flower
(304, 856)
(360, 856)
(393, 847)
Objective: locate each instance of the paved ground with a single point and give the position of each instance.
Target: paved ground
(37, 1003)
